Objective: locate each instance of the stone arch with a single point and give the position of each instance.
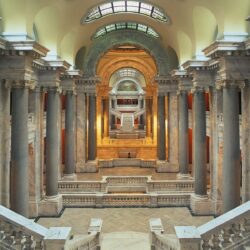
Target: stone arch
(147, 70)
(151, 45)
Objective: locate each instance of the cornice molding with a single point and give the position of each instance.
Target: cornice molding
(224, 48)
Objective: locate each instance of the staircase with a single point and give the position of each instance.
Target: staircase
(125, 241)
(127, 122)
(228, 231)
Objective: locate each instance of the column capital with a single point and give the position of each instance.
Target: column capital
(197, 89)
(89, 84)
(166, 84)
(184, 80)
(227, 83)
(30, 84)
(56, 89)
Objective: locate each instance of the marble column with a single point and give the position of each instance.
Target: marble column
(106, 117)
(161, 134)
(231, 156)
(19, 198)
(92, 128)
(70, 134)
(183, 133)
(199, 140)
(148, 117)
(52, 142)
(81, 125)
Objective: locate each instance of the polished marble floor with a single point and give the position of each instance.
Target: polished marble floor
(124, 219)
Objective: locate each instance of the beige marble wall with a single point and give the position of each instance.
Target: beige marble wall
(4, 144)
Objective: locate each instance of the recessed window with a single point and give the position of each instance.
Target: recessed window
(126, 25)
(126, 7)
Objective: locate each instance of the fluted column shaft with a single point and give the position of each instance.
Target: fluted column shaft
(92, 128)
(161, 129)
(199, 140)
(52, 142)
(19, 152)
(183, 132)
(231, 156)
(70, 133)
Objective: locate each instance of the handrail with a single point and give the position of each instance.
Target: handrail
(18, 232)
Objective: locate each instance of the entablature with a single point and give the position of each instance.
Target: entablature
(166, 84)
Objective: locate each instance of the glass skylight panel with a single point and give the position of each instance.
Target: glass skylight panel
(126, 25)
(131, 26)
(120, 26)
(119, 6)
(142, 27)
(132, 6)
(126, 7)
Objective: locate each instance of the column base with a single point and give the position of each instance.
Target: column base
(217, 207)
(184, 176)
(201, 205)
(166, 167)
(88, 167)
(51, 206)
(33, 209)
(69, 177)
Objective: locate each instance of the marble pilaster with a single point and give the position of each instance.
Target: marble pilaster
(4, 144)
(216, 148)
(36, 152)
(245, 95)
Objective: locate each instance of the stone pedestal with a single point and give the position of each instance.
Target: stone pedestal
(201, 205)
(69, 177)
(51, 206)
(183, 176)
(166, 167)
(89, 167)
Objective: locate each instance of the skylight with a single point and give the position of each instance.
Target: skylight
(113, 7)
(126, 25)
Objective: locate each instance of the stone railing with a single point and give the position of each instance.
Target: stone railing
(126, 200)
(170, 185)
(18, 232)
(228, 231)
(80, 186)
(125, 161)
(160, 241)
(158, 186)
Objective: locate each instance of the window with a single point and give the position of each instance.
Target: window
(126, 25)
(126, 7)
